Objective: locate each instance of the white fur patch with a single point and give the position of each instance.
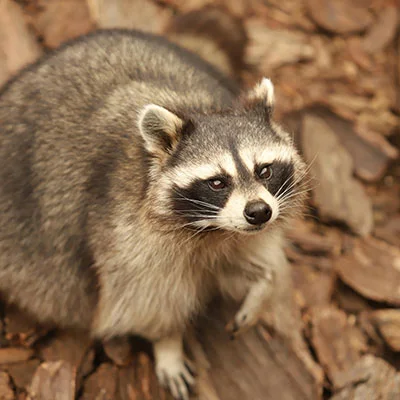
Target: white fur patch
(228, 164)
(264, 91)
(186, 175)
(269, 155)
(247, 156)
(231, 215)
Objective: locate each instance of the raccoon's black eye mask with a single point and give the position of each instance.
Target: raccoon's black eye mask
(282, 177)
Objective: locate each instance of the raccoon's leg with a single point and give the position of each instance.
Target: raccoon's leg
(173, 369)
(253, 305)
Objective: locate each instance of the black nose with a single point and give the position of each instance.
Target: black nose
(257, 212)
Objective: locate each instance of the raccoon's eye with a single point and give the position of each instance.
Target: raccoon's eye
(265, 172)
(216, 184)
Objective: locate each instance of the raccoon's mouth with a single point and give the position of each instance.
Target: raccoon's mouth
(254, 228)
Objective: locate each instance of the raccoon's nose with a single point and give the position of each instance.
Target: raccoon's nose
(257, 212)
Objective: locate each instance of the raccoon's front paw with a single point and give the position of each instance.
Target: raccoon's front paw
(178, 375)
(253, 307)
(244, 319)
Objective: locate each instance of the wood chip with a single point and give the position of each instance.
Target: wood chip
(371, 153)
(119, 350)
(254, 362)
(389, 231)
(6, 393)
(139, 381)
(311, 242)
(349, 300)
(382, 31)
(335, 342)
(313, 287)
(68, 346)
(323, 264)
(270, 49)
(9, 355)
(370, 378)
(75, 348)
(340, 16)
(338, 196)
(53, 381)
(387, 323)
(372, 268)
(58, 20)
(132, 14)
(18, 46)
(23, 372)
(102, 384)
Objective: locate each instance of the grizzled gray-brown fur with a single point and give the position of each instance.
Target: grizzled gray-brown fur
(137, 182)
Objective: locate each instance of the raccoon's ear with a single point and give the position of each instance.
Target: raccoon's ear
(262, 95)
(160, 129)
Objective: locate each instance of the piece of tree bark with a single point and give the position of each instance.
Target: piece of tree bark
(22, 373)
(338, 195)
(72, 347)
(138, 381)
(383, 31)
(18, 46)
(102, 384)
(9, 355)
(340, 16)
(371, 153)
(6, 393)
(270, 49)
(119, 350)
(313, 287)
(389, 231)
(53, 381)
(337, 344)
(255, 365)
(370, 378)
(311, 242)
(349, 300)
(372, 269)
(132, 14)
(57, 21)
(387, 322)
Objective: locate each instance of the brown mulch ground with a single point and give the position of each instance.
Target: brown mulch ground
(336, 67)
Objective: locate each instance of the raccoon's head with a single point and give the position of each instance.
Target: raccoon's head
(234, 171)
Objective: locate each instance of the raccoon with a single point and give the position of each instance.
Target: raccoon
(136, 183)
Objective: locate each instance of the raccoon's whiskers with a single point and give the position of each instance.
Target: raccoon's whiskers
(294, 194)
(296, 181)
(195, 201)
(283, 185)
(291, 186)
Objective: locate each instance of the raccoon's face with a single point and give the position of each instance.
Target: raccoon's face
(236, 171)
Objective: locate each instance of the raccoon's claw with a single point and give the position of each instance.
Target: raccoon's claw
(240, 323)
(178, 377)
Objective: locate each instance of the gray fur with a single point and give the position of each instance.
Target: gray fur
(87, 238)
